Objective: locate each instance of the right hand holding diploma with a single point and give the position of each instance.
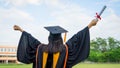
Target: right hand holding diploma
(93, 23)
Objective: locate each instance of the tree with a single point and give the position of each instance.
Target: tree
(113, 43)
(105, 50)
(99, 44)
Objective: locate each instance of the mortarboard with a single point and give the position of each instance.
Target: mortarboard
(56, 29)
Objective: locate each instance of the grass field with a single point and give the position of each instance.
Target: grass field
(81, 65)
(99, 65)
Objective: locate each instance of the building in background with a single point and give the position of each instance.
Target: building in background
(8, 54)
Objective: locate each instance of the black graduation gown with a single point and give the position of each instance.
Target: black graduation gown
(59, 64)
(78, 49)
(27, 48)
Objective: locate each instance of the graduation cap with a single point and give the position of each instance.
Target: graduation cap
(56, 31)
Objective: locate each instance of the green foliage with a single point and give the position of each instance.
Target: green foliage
(113, 55)
(93, 56)
(105, 50)
(99, 44)
(113, 43)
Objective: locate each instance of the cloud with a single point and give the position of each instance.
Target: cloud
(23, 3)
(114, 1)
(51, 2)
(10, 17)
(16, 3)
(72, 17)
(15, 14)
(20, 2)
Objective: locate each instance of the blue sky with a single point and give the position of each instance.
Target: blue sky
(73, 15)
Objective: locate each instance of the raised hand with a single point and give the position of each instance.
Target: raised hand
(93, 23)
(17, 28)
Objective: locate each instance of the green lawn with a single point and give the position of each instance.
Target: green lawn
(81, 65)
(15, 66)
(99, 65)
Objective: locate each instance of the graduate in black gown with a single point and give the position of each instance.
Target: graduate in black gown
(55, 54)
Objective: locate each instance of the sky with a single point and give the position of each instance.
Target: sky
(73, 15)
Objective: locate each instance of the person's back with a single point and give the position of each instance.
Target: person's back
(50, 59)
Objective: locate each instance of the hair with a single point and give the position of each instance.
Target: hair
(55, 44)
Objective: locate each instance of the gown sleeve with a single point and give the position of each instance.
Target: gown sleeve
(78, 47)
(27, 48)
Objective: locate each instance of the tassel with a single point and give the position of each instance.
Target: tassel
(65, 37)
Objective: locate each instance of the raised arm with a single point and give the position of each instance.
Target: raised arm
(17, 28)
(27, 46)
(79, 45)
